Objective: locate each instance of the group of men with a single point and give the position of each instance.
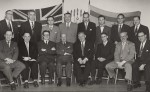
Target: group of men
(83, 46)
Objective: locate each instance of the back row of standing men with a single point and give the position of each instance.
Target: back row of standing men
(85, 30)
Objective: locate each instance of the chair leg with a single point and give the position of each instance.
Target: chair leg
(116, 76)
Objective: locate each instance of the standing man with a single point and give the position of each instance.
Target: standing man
(83, 54)
(8, 59)
(8, 24)
(28, 53)
(89, 28)
(69, 28)
(120, 27)
(123, 58)
(64, 51)
(31, 26)
(142, 62)
(104, 55)
(54, 30)
(138, 27)
(46, 58)
(102, 28)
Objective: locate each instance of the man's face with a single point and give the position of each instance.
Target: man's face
(141, 37)
(67, 18)
(50, 21)
(8, 36)
(120, 19)
(63, 37)
(86, 18)
(136, 21)
(104, 37)
(9, 15)
(46, 35)
(82, 37)
(26, 37)
(123, 37)
(101, 21)
(31, 16)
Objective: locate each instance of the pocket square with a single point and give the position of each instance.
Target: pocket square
(68, 47)
(146, 50)
(90, 29)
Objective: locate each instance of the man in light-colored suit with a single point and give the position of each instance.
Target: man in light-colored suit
(69, 28)
(54, 30)
(123, 58)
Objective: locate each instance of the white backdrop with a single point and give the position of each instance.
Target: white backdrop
(109, 5)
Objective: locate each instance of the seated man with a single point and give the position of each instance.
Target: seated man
(64, 57)
(142, 61)
(8, 59)
(46, 58)
(28, 55)
(83, 53)
(104, 54)
(123, 58)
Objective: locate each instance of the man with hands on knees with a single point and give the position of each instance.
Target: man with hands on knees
(28, 55)
(46, 58)
(123, 58)
(8, 59)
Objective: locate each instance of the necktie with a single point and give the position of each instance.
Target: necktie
(8, 44)
(119, 29)
(9, 26)
(32, 25)
(141, 50)
(86, 25)
(67, 25)
(27, 46)
(136, 30)
(82, 48)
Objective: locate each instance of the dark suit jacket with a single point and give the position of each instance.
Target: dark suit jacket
(61, 49)
(35, 35)
(88, 51)
(33, 51)
(134, 36)
(4, 28)
(106, 52)
(98, 33)
(115, 35)
(49, 54)
(90, 32)
(145, 57)
(8, 52)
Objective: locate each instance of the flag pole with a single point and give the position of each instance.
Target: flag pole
(89, 6)
(62, 10)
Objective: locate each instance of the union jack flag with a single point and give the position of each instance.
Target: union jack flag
(20, 15)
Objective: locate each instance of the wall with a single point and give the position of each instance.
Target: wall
(109, 5)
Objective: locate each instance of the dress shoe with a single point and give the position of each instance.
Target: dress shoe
(98, 80)
(35, 83)
(111, 80)
(13, 86)
(43, 81)
(26, 85)
(136, 85)
(59, 82)
(129, 87)
(50, 81)
(68, 81)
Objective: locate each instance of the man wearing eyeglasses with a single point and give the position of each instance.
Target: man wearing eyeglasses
(8, 24)
(142, 62)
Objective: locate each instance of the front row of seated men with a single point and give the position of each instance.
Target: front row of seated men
(126, 55)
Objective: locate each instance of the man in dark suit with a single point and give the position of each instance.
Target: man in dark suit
(69, 28)
(89, 28)
(64, 51)
(104, 55)
(120, 27)
(54, 30)
(31, 26)
(8, 59)
(8, 24)
(28, 55)
(102, 28)
(142, 61)
(138, 28)
(46, 58)
(83, 53)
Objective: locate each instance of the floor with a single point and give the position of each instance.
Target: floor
(119, 87)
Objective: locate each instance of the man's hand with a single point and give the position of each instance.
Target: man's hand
(119, 65)
(9, 61)
(66, 53)
(85, 60)
(53, 48)
(80, 60)
(101, 59)
(43, 49)
(142, 67)
(32, 60)
(26, 58)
